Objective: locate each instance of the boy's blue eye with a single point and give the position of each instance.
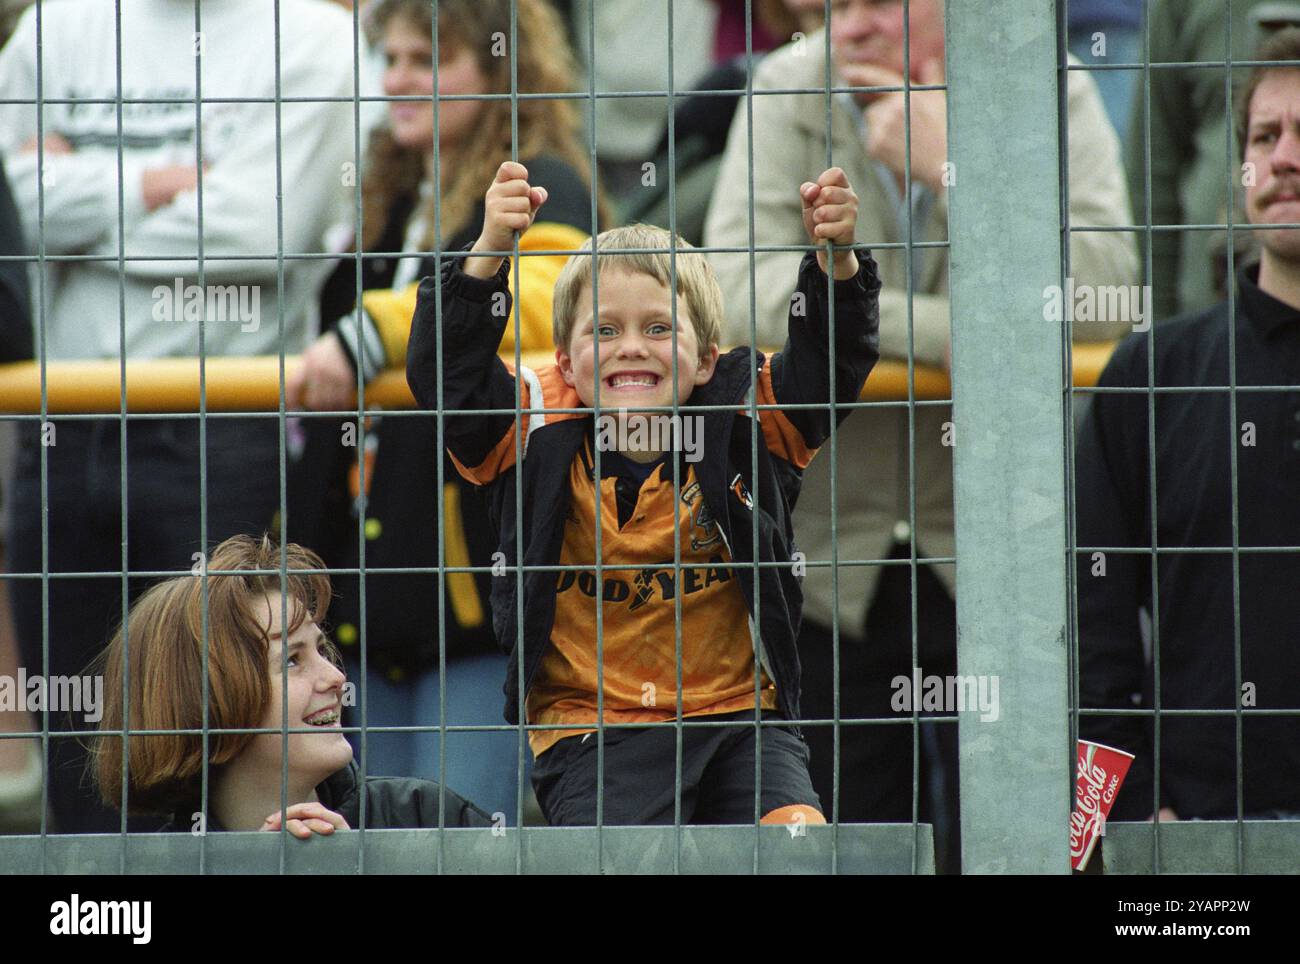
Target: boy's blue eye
(606, 331)
(659, 328)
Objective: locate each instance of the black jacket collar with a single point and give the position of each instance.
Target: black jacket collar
(1265, 314)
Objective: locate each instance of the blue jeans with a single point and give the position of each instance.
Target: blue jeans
(482, 767)
(1123, 46)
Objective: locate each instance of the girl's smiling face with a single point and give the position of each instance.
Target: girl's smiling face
(408, 72)
(315, 700)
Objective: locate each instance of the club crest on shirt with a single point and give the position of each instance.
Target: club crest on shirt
(740, 492)
(704, 529)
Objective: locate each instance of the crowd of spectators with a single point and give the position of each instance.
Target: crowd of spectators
(130, 190)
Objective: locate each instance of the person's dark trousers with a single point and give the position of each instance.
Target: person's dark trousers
(640, 763)
(876, 759)
(85, 535)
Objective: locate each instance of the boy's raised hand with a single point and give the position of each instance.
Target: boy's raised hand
(830, 213)
(511, 205)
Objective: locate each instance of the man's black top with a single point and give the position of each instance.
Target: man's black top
(1197, 436)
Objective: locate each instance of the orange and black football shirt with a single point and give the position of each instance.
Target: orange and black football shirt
(638, 606)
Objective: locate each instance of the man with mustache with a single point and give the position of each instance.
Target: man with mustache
(1226, 474)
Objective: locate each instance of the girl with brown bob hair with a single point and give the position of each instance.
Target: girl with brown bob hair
(255, 673)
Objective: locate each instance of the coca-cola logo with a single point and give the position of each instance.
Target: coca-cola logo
(1088, 790)
(1083, 829)
(1085, 822)
(1100, 771)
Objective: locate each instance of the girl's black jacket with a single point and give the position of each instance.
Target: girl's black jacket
(474, 378)
(392, 803)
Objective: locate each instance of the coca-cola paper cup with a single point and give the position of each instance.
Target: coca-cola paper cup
(1100, 773)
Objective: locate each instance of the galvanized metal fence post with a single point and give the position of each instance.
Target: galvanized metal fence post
(1004, 232)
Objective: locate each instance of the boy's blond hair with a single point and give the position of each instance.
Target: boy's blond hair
(695, 279)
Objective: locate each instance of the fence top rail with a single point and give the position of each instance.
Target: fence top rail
(858, 849)
(252, 384)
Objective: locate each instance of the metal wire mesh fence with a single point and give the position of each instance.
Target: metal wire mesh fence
(973, 487)
(1171, 567)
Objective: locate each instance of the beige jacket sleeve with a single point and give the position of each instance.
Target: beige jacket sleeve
(1098, 198)
(789, 147)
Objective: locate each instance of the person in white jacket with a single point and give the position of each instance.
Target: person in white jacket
(186, 158)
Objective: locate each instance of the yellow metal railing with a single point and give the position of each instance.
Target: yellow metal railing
(253, 384)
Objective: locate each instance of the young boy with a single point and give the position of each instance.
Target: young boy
(708, 520)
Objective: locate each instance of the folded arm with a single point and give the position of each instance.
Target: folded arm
(246, 210)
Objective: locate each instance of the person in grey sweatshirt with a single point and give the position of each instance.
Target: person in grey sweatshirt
(161, 185)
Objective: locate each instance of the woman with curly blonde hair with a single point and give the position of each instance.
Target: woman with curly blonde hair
(401, 212)
(421, 194)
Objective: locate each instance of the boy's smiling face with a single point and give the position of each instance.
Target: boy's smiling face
(636, 345)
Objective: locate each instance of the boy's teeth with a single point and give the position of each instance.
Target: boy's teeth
(620, 380)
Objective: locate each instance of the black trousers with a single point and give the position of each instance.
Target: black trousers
(876, 759)
(640, 763)
(85, 535)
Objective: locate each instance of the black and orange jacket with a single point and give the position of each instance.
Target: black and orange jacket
(474, 379)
